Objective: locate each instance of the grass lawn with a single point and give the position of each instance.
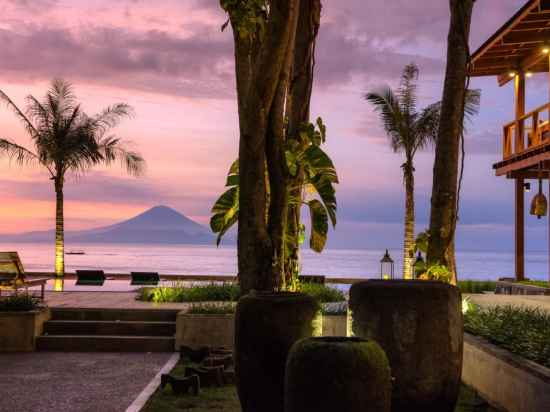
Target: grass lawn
(225, 400)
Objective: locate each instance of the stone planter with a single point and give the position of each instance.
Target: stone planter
(18, 330)
(335, 325)
(337, 374)
(266, 327)
(197, 330)
(508, 382)
(419, 325)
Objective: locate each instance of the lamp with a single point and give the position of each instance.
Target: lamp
(419, 266)
(386, 267)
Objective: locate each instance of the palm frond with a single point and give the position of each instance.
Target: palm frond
(17, 153)
(472, 103)
(112, 149)
(407, 90)
(111, 116)
(426, 126)
(31, 130)
(386, 103)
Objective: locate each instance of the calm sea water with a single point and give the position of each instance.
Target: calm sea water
(209, 260)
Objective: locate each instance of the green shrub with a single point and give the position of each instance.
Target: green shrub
(322, 293)
(20, 302)
(178, 292)
(476, 286)
(521, 330)
(540, 283)
(212, 309)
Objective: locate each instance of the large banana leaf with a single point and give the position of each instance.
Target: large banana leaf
(233, 174)
(226, 212)
(318, 162)
(319, 225)
(327, 193)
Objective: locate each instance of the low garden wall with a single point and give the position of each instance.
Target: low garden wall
(197, 330)
(18, 330)
(509, 287)
(505, 380)
(334, 325)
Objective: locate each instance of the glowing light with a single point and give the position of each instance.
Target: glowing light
(546, 50)
(58, 284)
(528, 74)
(386, 277)
(512, 74)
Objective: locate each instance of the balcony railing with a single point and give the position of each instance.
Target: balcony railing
(527, 133)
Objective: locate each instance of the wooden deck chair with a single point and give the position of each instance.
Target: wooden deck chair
(145, 278)
(12, 275)
(90, 277)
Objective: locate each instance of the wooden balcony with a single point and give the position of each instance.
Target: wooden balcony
(526, 142)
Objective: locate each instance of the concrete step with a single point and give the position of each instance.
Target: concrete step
(145, 315)
(88, 343)
(117, 328)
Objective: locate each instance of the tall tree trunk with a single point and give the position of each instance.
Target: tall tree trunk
(59, 231)
(445, 176)
(408, 244)
(298, 112)
(260, 68)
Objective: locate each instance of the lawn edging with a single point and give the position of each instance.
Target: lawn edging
(507, 381)
(140, 401)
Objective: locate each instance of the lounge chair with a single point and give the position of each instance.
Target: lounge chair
(12, 275)
(145, 278)
(90, 277)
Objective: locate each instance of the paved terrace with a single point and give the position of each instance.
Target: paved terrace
(75, 382)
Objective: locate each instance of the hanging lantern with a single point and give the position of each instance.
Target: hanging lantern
(386, 267)
(419, 266)
(539, 204)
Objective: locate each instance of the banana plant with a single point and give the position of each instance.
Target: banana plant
(305, 159)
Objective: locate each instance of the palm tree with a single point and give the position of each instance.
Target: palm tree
(409, 131)
(67, 140)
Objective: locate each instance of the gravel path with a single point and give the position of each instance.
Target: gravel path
(75, 382)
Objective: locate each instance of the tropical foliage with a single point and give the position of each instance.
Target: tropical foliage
(521, 330)
(410, 130)
(305, 156)
(67, 140)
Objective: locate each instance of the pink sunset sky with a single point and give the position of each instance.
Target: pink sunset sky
(170, 61)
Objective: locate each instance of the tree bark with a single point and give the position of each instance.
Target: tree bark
(59, 231)
(445, 175)
(259, 67)
(298, 113)
(408, 244)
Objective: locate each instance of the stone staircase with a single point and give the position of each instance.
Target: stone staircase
(109, 330)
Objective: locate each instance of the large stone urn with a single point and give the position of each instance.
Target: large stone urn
(337, 374)
(266, 327)
(419, 325)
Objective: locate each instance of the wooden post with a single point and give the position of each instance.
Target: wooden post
(520, 233)
(519, 89)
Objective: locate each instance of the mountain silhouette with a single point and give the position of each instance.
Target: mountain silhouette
(160, 224)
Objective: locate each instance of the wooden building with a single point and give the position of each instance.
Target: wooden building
(518, 49)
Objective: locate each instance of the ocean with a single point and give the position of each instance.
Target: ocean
(209, 260)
